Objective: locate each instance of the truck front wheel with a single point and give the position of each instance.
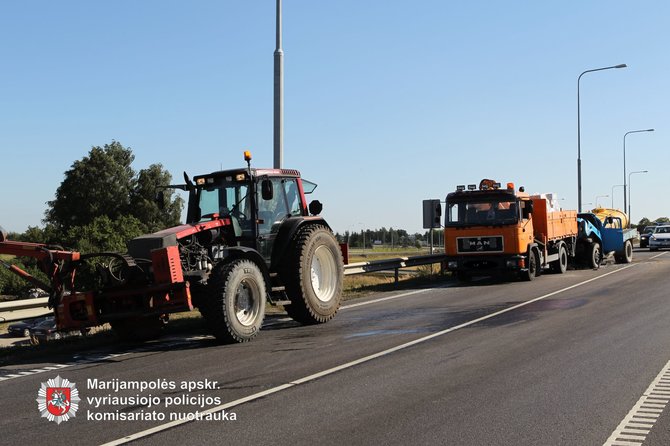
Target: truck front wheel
(596, 256)
(533, 265)
(235, 307)
(313, 276)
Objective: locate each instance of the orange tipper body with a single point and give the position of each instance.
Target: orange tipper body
(496, 230)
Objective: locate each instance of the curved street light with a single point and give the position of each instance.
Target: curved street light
(624, 162)
(630, 220)
(579, 142)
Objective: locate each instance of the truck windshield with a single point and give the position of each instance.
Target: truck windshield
(478, 211)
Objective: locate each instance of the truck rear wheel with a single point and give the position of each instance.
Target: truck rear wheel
(560, 266)
(313, 275)
(235, 307)
(627, 255)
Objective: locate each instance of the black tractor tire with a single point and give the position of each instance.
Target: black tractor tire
(560, 266)
(139, 329)
(313, 275)
(594, 255)
(464, 277)
(627, 255)
(235, 308)
(533, 266)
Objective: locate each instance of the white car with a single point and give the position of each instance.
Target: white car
(660, 238)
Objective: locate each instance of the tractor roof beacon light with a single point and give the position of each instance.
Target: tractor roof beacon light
(510, 186)
(247, 158)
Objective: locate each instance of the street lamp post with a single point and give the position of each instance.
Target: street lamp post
(630, 219)
(616, 185)
(624, 162)
(600, 196)
(579, 141)
(278, 94)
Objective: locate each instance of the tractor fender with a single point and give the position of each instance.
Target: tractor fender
(244, 252)
(288, 230)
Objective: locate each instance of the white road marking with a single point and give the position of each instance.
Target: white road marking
(644, 413)
(306, 379)
(382, 299)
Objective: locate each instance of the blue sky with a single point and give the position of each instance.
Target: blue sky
(387, 102)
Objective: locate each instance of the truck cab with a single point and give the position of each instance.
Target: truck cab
(487, 229)
(493, 230)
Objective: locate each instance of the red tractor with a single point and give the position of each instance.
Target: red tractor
(249, 237)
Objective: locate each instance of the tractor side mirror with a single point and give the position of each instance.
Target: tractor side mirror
(315, 207)
(267, 192)
(160, 200)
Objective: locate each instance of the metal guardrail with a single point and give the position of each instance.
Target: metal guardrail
(27, 308)
(23, 309)
(391, 264)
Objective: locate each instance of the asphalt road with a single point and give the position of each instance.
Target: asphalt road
(562, 360)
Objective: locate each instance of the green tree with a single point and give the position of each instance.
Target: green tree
(105, 184)
(98, 184)
(143, 199)
(104, 234)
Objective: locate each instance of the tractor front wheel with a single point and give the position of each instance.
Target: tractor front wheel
(235, 307)
(313, 275)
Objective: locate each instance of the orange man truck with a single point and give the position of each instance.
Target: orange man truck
(491, 230)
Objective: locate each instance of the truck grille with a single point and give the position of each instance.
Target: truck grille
(479, 244)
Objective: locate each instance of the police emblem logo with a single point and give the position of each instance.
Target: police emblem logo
(58, 400)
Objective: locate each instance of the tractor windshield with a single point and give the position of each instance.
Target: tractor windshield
(227, 198)
(482, 211)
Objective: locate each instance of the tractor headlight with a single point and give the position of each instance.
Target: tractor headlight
(452, 264)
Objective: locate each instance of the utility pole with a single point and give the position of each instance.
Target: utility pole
(278, 96)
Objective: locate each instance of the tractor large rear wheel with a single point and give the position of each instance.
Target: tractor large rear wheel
(313, 275)
(235, 307)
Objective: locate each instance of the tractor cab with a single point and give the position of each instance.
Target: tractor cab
(256, 202)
